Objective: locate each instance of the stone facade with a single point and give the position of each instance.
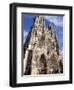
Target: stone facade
(42, 53)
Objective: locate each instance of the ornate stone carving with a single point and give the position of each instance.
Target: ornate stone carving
(43, 51)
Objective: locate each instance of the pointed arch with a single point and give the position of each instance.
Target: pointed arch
(43, 66)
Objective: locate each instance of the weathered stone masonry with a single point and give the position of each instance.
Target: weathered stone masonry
(42, 51)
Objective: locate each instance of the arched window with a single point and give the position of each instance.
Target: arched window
(43, 66)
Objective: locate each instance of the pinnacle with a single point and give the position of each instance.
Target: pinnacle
(42, 49)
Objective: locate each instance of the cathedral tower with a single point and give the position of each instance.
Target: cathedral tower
(42, 52)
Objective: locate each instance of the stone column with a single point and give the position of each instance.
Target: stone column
(25, 61)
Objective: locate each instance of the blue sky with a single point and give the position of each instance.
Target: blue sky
(27, 21)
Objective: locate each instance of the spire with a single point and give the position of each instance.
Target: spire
(39, 21)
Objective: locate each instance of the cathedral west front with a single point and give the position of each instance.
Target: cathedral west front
(41, 50)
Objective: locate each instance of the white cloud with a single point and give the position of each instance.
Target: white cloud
(61, 52)
(55, 19)
(25, 33)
